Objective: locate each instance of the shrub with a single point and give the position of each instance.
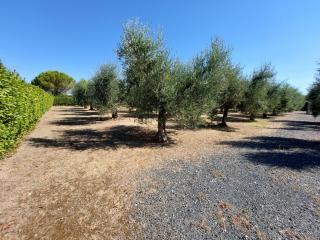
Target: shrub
(22, 105)
(63, 100)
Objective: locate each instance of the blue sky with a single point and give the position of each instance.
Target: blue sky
(77, 36)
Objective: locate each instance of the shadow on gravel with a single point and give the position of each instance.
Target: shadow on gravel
(113, 138)
(300, 125)
(291, 153)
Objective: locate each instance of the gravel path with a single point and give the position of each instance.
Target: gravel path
(265, 187)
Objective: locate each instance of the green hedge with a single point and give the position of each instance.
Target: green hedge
(63, 100)
(22, 105)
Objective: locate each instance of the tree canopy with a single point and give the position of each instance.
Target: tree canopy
(105, 88)
(256, 96)
(209, 82)
(54, 82)
(314, 95)
(231, 92)
(147, 72)
(152, 83)
(80, 93)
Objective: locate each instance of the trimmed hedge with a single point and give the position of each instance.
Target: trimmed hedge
(21, 106)
(63, 100)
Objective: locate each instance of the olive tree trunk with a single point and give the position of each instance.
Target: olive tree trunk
(114, 113)
(224, 117)
(162, 134)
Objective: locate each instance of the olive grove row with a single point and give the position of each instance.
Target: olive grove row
(153, 82)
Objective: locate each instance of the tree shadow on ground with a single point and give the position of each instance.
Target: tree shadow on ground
(299, 125)
(67, 109)
(77, 111)
(111, 138)
(79, 120)
(235, 118)
(218, 127)
(82, 113)
(175, 126)
(128, 114)
(297, 154)
(241, 117)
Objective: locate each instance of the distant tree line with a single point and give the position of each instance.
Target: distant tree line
(152, 82)
(313, 96)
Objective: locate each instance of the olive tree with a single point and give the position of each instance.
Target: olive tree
(231, 92)
(315, 106)
(256, 98)
(206, 84)
(314, 96)
(191, 93)
(291, 99)
(274, 94)
(104, 88)
(80, 93)
(122, 91)
(217, 65)
(147, 73)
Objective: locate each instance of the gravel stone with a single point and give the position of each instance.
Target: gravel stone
(266, 187)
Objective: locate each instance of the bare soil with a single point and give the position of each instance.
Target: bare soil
(74, 175)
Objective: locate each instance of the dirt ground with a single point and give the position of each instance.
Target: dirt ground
(74, 175)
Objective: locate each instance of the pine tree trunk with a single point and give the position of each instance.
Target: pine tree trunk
(162, 134)
(224, 117)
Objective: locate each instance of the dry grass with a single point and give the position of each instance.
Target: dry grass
(241, 221)
(201, 196)
(292, 234)
(227, 215)
(202, 224)
(221, 219)
(74, 176)
(261, 235)
(222, 215)
(217, 174)
(316, 202)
